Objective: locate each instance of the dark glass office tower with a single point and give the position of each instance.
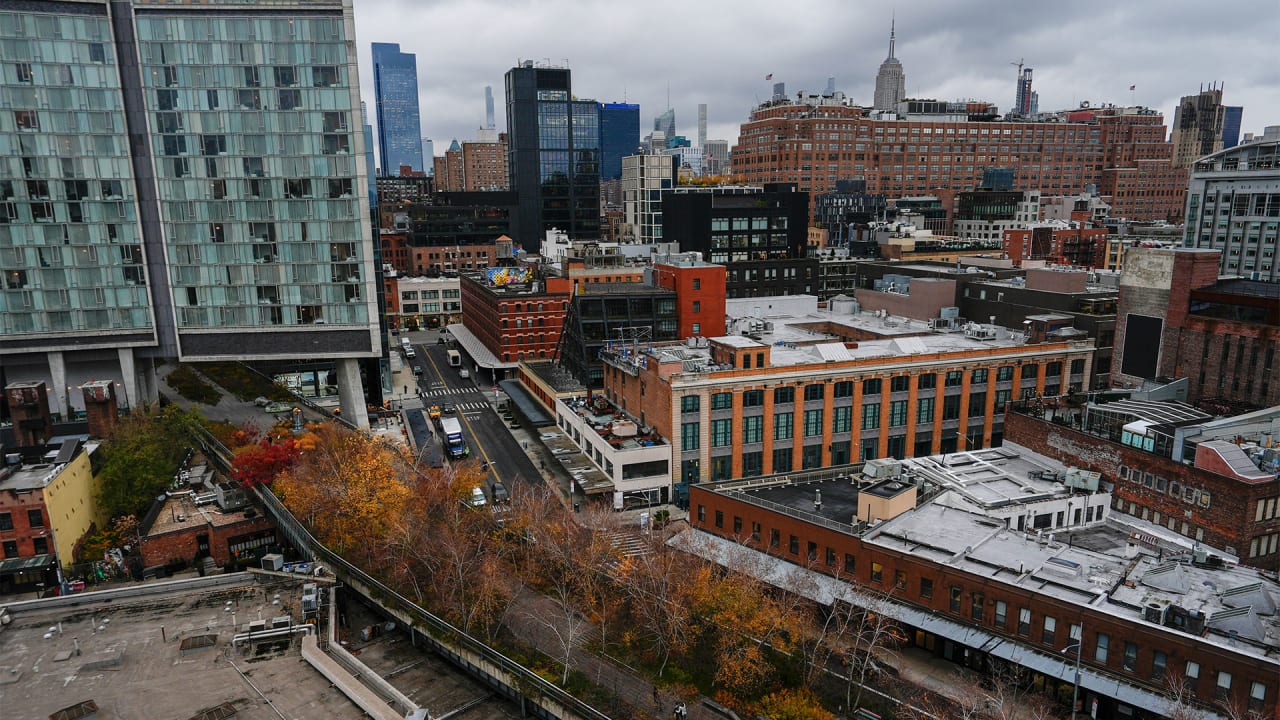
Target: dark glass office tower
(395, 84)
(619, 137)
(553, 154)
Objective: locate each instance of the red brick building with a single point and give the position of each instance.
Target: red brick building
(396, 251)
(1122, 151)
(474, 167)
(453, 258)
(181, 532)
(1202, 497)
(1176, 319)
(700, 293)
(1082, 247)
(967, 587)
(516, 320)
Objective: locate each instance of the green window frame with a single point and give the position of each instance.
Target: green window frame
(813, 422)
(871, 416)
(783, 426)
(690, 436)
(722, 432)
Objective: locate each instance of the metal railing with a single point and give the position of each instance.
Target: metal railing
(520, 683)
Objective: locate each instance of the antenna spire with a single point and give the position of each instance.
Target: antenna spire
(893, 20)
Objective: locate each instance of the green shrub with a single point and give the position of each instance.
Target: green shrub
(191, 386)
(243, 382)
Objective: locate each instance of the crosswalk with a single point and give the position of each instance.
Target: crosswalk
(446, 391)
(629, 544)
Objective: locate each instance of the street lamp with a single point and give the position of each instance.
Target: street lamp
(1075, 689)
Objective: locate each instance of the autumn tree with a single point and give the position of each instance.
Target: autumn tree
(262, 462)
(348, 488)
(141, 455)
(654, 586)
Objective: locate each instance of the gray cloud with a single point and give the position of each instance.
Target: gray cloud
(718, 52)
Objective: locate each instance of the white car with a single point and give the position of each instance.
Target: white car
(477, 498)
(464, 374)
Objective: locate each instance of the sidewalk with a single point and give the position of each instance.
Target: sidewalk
(529, 623)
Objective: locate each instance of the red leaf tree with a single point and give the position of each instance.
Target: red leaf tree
(260, 464)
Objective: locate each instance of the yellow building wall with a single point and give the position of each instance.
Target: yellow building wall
(71, 501)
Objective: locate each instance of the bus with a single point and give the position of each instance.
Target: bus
(456, 446)
(455, 358)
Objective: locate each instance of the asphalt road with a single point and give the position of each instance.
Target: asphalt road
(486, 432)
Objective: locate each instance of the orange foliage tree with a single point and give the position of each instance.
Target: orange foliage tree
(347, 487)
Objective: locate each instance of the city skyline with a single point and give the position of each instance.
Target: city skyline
(728, 67)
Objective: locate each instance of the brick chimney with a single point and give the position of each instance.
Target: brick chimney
(100, 407)
(29, 408)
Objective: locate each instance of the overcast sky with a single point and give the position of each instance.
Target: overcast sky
(719, 51)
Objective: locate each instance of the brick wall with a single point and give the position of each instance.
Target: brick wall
(845, 547)
(1227, 522)
(181, 545)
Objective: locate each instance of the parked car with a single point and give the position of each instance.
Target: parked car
(500, 493)
(464, 374)
(417, 369)
(477, 498)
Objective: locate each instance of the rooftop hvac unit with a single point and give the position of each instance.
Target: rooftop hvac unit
(882, 468)
(979, 332)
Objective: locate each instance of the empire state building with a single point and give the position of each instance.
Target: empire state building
(891, 81)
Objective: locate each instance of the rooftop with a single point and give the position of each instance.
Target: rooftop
(820, 336)
(22, 477)
(966, 517)
(181, 511)
(619, 429)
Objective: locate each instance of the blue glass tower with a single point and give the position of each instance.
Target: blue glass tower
(395, 85)
(619, 137)
(1231, 120)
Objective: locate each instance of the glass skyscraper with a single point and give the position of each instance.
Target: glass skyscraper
(180, 181)
(619, 137)
(395, 85)
(553, 151)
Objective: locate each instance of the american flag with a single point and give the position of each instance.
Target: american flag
(769, 76)
(1133, 87)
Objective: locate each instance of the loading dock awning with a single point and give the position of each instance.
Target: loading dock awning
(528, 406)
(476, 349)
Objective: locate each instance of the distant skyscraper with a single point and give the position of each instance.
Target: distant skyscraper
(488, 108)
(428, 155)
(553, 151)
(1023, 102)
(715, 157)
(1231, 120)
(1197, 126)
(831, 86)
(666, 122)
(619, 136)
(702, 124)
(395, 86)
(891, 81)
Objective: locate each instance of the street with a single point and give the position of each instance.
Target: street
(486, 433)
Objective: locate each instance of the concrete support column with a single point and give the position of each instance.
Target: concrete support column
(129, 374)
(148, 386)
(351, 393)
(58, 376)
